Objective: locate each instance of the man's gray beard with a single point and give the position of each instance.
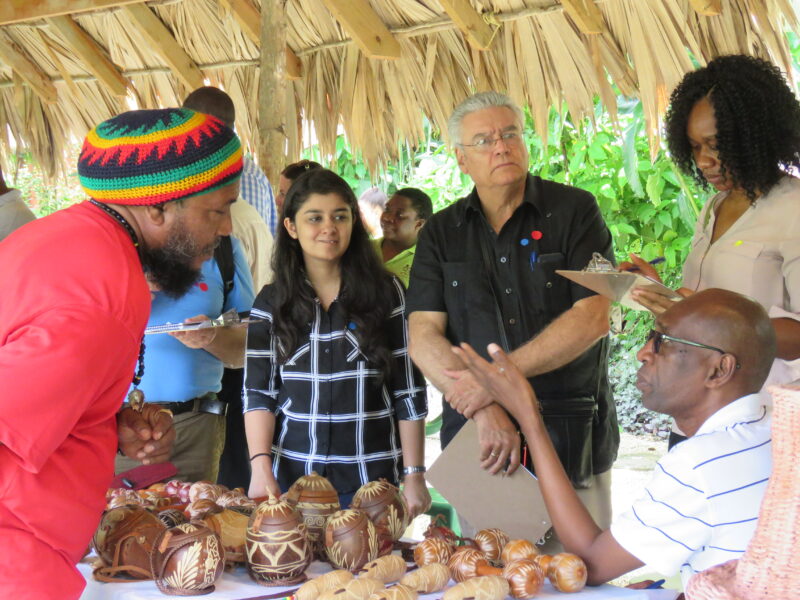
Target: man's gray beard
(170, 267)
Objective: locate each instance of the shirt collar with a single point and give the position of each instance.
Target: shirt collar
(532, 196)
(746, 408)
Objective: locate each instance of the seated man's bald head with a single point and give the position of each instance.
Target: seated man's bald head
(736, 324)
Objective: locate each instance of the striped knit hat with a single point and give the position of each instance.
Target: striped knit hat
(146, 157)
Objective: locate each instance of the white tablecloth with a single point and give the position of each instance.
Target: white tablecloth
(237, 585)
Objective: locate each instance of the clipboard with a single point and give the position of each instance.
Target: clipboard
(512, 503)
(618, 285)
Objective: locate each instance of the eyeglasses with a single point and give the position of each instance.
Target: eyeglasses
(658, 338)
(485, 144)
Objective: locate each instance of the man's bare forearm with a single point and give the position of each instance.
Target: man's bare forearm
(565, 339)
(432, 352)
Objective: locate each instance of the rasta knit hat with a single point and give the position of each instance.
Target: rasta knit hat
(146, 157)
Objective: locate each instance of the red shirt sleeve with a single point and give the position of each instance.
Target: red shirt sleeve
(69, 365)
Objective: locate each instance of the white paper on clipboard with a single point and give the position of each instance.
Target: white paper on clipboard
(618, 285)
(512, 503)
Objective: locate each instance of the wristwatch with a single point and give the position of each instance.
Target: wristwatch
(415, 469)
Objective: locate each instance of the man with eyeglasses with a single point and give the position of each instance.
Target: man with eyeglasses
(703, 364)
(485, 271)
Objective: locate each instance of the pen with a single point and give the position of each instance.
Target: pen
(656, 584)
(655, 261)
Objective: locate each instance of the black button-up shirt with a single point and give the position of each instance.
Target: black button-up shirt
(334, 412)
(462, 267)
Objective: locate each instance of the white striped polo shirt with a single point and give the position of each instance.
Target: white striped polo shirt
(701, 506)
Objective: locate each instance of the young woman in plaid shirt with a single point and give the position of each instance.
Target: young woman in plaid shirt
(329, 385)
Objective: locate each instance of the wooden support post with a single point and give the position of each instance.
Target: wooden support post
(91, 53)
(272, 89)
(586, 15)
(164, 44)
(470, 22)
(708, 8)
(249, 19)
(27, 70)
(364, 25)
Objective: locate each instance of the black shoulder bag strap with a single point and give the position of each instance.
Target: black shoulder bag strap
(487, 267)
(223, 254)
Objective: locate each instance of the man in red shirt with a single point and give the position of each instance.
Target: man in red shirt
(73, 310)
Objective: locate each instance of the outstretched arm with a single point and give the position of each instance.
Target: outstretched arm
(604, 557)
(430, 350)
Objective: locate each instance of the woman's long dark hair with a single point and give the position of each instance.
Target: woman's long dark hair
(758, 121)
(366, 289)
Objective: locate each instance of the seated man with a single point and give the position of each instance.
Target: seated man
(703, 364)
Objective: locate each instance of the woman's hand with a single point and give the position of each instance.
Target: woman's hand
(262, 481)
(416, 494)
(656, 302)
(639, 265)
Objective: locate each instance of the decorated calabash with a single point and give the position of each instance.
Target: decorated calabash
(278, 550)
(567, 572)
(350, 539)
(172, 517)
(124, 539)
(386, 508)
(432, 550)
(316, 499)
(201, 507)
(234, 498)
(491, 542)
(187, 560)
(231, 527)
(518, 550)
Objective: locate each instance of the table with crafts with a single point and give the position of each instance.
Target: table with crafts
(237, 585)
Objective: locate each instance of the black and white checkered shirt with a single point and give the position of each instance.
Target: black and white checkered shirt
(333, 414)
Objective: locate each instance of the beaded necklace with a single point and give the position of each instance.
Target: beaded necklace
(135, 396)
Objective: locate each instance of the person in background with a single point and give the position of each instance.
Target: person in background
(704, 364)
(256, 235)
(734, 125)
(401, 221)
(372, 203)
(288, 175)
(254, 219)
(329, 384)
(255, 188)
(73, 311)
(14, 213)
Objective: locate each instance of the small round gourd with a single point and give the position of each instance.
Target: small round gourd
(432, 550)
(567, 572)
(187, 560)
(491, 542)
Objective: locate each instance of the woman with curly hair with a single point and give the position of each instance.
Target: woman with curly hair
(329, 384)
(734, 125)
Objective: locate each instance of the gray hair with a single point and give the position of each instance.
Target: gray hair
(477, 102)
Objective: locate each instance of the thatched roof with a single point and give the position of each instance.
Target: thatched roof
(67, 64)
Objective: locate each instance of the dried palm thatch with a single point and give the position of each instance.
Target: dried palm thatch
(538, 54)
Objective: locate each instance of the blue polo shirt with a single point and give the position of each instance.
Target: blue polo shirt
(172, 371)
